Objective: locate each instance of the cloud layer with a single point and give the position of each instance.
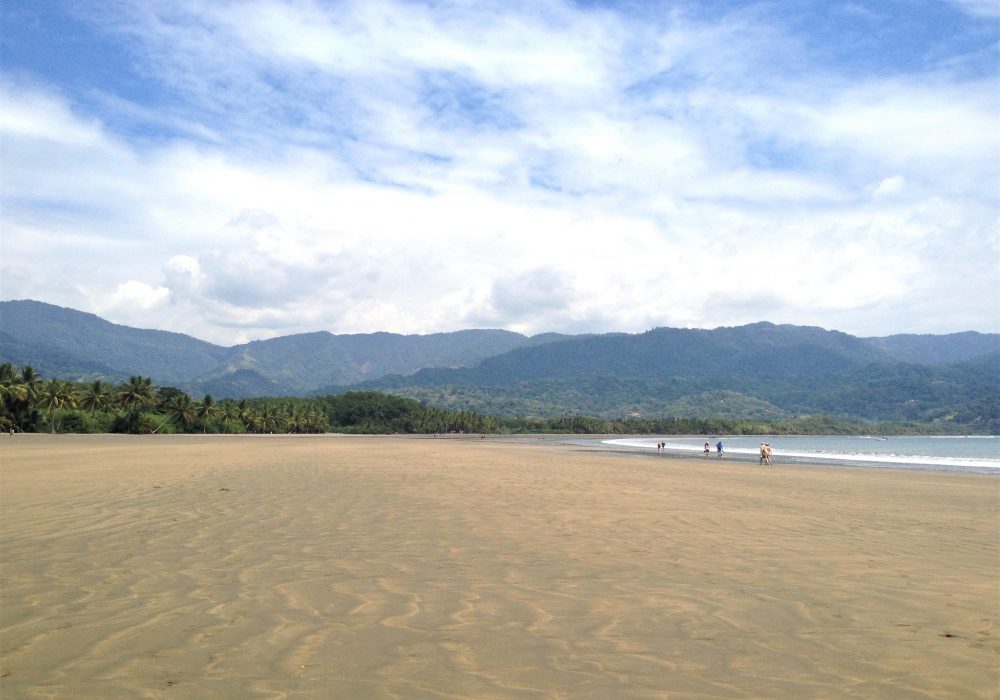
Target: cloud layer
(255, 169)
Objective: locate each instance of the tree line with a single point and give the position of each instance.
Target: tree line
(30, 403)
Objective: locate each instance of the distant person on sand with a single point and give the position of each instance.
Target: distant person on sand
(763, 453)
(12, 431)
(718, 449)
(708, 449)
(767, 454)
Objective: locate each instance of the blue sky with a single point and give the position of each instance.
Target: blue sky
(244, 170)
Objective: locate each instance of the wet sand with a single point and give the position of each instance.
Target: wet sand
(387, 567)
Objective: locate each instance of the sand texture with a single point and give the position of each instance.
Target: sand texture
(389, 567)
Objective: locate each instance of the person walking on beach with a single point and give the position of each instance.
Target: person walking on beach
(707, 449)
(718, 449)
(763, 453)
(767, 455)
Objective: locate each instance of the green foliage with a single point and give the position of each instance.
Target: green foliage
(85, 422)
(372, 412)
(31, 403)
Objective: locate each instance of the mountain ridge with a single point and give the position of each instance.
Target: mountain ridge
(80, 345)
(760, 369)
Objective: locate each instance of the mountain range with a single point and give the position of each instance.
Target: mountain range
(760, 370)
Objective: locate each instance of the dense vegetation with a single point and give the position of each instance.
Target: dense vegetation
(760, 371)
(30, 403)
(965, 396)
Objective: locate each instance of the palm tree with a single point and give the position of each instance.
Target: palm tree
(133, 396)
(295, 421)
(8, 378)
(182, 409)
(19, 396)
(243, 411)
(136, 393)
(95, 397)
(206, 409)
(32, 382)
(11, 387)
(228, 414)
(252, 420)
(266, 420)
(283, 419)
(56, 395)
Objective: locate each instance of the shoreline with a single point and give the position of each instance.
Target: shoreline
(586, 442)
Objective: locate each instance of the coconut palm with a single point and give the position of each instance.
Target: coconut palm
(32, 382)
(206, 410)
(133, 395)
(54, 396)
(19, 396)
(243, 411)
(267, 420)
(12, 392)
(252, 420)
(182, 409)
(315, 420)
(95, 397)
(12, 389)
(136, 393)
(228, 414)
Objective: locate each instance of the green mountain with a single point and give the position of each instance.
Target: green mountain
(758, 371)
(936, 349)
(76, 345)
(304, 362)
(755, 371)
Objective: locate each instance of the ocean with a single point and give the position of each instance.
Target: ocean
(975, 453)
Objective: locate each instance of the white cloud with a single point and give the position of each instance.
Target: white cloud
(982, 8)
(130, 299)
(889, 186)
(34, 115)
(414, 168)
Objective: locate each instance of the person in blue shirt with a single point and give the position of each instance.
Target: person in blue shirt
(718, 449)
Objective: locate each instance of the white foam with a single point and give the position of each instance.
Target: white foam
(818, 455)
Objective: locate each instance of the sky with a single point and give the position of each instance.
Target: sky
(244, 170)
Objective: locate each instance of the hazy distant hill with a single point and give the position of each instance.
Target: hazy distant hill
(70, 344)
(760, 370)
(76, 345)
(937, 349)
(756, 350)
(307, 361)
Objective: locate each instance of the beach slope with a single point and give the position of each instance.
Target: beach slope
(389, 567)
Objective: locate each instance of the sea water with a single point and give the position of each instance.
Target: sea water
(975, 453)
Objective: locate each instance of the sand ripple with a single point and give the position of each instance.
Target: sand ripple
(281, 567)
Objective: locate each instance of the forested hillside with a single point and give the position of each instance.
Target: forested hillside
(77, 345)
(760, 371)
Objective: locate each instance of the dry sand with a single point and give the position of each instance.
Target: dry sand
(354, 567)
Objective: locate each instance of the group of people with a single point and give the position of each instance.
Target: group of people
(765, 451)
(765, 454)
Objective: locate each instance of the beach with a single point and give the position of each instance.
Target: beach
(415, 567)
